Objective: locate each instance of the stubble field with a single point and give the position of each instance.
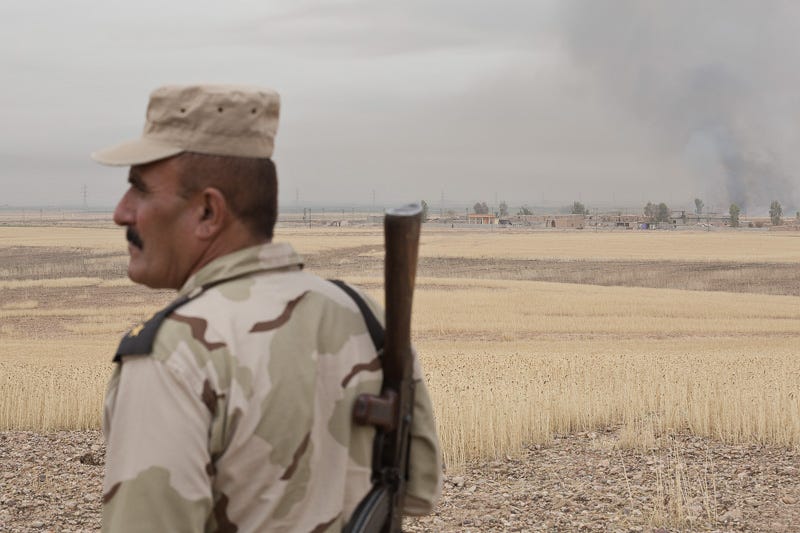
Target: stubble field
(616, 370)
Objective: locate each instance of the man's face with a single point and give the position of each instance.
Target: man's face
(161, 241)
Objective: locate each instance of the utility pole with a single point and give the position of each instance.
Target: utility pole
(85, 194)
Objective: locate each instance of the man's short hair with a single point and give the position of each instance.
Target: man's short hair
(249, 185)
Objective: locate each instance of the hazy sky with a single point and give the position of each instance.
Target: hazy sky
(610, 102)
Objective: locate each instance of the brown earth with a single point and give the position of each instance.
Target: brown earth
(52, 482)
(580, 482)
(32, 263)
(766, 278)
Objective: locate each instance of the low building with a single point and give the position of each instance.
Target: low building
(475, 218)
(565, 221)
(550, 221)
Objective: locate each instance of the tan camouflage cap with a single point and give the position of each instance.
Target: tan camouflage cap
(230, 120)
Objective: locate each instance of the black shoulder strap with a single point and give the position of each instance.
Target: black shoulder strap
(375, 329)
(139, 340)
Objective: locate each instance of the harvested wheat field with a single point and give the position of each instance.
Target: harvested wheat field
(628, 381)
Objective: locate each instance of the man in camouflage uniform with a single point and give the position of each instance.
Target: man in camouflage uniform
(230, 410)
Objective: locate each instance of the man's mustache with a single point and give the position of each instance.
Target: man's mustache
(134, 238)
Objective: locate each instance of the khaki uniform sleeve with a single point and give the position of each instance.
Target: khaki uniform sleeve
(425, 461)
(157, 452)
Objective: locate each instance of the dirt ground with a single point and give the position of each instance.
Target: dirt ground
(765, 278)
(580, 482)
(32, 263)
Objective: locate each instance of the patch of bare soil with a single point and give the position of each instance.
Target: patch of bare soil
(580, 482)
(34, 262)
(18, 263)
(55, 325)
(764, 278)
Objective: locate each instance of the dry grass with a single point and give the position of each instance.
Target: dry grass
(67, 237)
(492, 400)
(743, 247)
(684, 495)
(515, 362)
(508, 362)
(46, 385)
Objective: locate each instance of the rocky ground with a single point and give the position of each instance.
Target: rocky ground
(50, 482)
(580, 482)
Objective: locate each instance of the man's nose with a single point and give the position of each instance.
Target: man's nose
(123, 213)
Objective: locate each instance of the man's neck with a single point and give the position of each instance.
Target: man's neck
(234, 238)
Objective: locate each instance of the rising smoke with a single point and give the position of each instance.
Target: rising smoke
(715, 82)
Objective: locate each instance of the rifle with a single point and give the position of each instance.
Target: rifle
(391, 412)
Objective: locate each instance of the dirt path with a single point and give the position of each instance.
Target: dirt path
(52, 482)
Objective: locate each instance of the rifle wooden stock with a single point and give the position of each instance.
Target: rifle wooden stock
(379, 411)
(392, 411)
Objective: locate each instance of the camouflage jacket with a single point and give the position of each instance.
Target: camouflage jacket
(231, 409)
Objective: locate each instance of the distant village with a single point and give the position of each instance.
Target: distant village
(651, 217)
(618, 220)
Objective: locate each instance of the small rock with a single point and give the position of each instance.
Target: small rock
(37, 524)
(91, 459)
(458, 481)
(789, 500)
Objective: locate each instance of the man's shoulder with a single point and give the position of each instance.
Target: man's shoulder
(280, 312)
(259, 292)
(296, 301)
(139, 339)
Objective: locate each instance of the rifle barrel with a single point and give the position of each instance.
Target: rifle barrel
(401, 228)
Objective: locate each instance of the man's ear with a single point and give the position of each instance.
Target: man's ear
(212, 213)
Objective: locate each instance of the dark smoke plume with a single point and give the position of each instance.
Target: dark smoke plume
(715, 81)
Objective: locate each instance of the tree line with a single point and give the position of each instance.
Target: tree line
(654, 212)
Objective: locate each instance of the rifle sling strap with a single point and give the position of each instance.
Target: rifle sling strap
(372, 511)
(376, 331)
